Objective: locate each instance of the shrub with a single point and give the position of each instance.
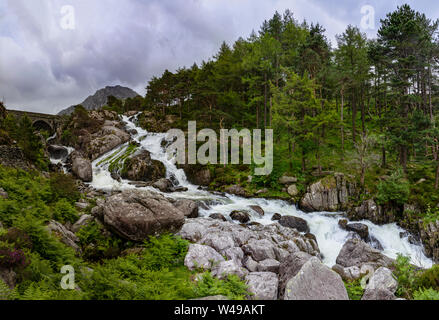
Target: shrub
(232, 287)
(64, 186)
(428, 278)
(354, 289)
(394, 190)
(63, 212)
(426, 294)
(11, 257)
(405, 275)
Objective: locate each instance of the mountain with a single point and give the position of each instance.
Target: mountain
(99, 99)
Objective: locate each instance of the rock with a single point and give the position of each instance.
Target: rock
(294, 222)
(220, 241)
(3, 194)
(342, 223)
(65, 236)
(236, 254)
(375, 243)
(135, 215)
(287, 180)
(241, 216)
(105, 140)
(201, 257)
(328, 194)
(81, 205)
(260, 249)
(276, 217)
(9, 277)
(236, 190)
(188, 207)
(164, 185)
(380, 294)
(356, 252)
(192, 231)
(258, 209)
(261, 191)
(250, 264)
(315, 281)
(429, 233)
(348, 274)
(142, 167)
(290, 267)
(263, 285)
(226, 268)
(197, 174)
(218, 216)
(369, 210)
(292, 190)
(82, 168)
(268, 265)
(58, 152)
(382, 279)
(361, 229)
(84, 220)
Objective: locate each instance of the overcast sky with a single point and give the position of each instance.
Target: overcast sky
(49, 61)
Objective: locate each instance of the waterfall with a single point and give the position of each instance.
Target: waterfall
(324, 225)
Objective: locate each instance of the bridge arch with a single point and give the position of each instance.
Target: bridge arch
(42, 125)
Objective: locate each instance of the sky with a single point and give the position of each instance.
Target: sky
(55, 53)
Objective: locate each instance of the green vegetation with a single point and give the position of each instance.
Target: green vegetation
(153, 270)
(354, 289)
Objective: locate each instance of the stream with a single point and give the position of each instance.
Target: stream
(324, 225)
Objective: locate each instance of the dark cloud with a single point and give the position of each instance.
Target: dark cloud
(45, 68)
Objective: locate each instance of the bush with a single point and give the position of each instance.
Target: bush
(405, 275)
(64, 212)
(426, 294)
(64, 186)
(428, 278)
(394, 190)
(354, 289)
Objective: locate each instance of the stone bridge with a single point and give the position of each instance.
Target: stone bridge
(40, 121)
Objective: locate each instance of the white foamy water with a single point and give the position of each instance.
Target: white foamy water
(323, 225)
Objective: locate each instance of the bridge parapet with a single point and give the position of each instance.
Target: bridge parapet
(40, 121)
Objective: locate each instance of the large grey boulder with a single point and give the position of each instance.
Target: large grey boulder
(188, 207)
(290, 267)
(141, 167)
(287, 180)
(135, 215)
(356, 252)
(379, 294)
(315, 281)
(359, 228)
(241, 216)
(82, 168)
(382, 279)
(268, 265)
(236, 254)
(220, 241)
(105, 140)
(202, 257)
(263, 285)
(260, 249)
(328, 194)
(225, 268)
(294, 222)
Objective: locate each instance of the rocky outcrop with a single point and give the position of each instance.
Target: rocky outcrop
(236, 190)
(57, 152)
(82, 167)
(65, 236)
(328, 194)
(142, 168)
(188, 207)
(315, 281)
(13, 156)
(429, 233)
(382, 286)
(105, 140)
(290, 267)
(359, 228)
(294, 222)
(225, 268)
(371, 211)
(356, 252)
(83, 221)
(202, 257)
(135, 215)
(197, 174)
(262, 285)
